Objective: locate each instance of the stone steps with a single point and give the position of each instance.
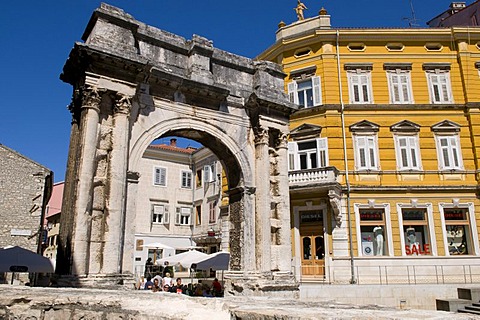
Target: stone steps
(468, 301)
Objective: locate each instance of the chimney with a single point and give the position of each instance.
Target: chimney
(457, 6)
(173, 142)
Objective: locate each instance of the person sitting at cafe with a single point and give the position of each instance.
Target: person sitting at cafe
(148, 284)
(217, 288)
(178, 287)
(167, 280)
(156, 286)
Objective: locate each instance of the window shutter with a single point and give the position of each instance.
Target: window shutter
(177, 216)
(163, 176)
(166, 215)
(317, 91)
(156, 178)
(206, 173)
(322, 152)
(292, 92)
(293, 156)
(212, 172)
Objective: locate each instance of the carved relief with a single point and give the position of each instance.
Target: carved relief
(336, 206)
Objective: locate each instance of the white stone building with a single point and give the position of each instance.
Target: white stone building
(177, 206)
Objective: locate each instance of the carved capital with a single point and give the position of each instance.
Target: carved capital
(261, 135)
(282, 140)
(123, 103)
(91, 97)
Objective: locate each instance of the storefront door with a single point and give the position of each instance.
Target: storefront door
(313, 250)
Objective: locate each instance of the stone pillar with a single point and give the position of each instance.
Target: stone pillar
(283, 205)
(117, 177)
(129, 245)
(91, 100)
(262, 204)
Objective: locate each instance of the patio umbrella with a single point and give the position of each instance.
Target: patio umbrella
(158, 245)
(185, 259)
(17, 259)
(215, 261)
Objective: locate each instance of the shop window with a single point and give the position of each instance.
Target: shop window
(416, 233)
(373, 232)
(160, 176)
(308, 154)
(457, 229)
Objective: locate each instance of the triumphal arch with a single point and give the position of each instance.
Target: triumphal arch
(133, 83)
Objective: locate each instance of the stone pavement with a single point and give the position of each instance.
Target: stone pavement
(68, 303)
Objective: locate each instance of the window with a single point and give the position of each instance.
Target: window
(457, 229)
(182, 216)
(209, 173)
(198, 216)
(160, 214)
(306, 92)
(359, 85)
(373, 232)
(399, 86)
(160, 176)
(198, 179)
(212, 217)
(407, 152)
(448, 151)
(366, 154)
(186, 179)
(438, 78)
(416, 232)
(308, 154)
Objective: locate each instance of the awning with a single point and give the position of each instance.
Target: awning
(215, 261)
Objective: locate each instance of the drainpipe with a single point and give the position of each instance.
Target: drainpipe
(194, 214)
(347, 180)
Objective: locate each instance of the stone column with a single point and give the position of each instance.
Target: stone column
(129, 245)
(91, 99)
(114, 232)
(283, 205)
(262, 204)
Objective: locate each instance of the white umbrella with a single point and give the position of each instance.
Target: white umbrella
(215, 261)
(158, 245)
(17, 259)
(185, 259)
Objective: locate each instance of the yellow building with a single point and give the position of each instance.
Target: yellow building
(383, 152)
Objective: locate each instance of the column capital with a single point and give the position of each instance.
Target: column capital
(282, 140)
(261, 135)
(122, 104)
(91, 97)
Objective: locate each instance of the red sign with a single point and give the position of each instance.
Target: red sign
(417, 249)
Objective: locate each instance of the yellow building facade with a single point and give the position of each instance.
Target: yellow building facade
(383, 152)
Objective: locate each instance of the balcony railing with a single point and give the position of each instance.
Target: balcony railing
(312, 176)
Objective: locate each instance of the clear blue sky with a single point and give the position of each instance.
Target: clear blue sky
(36, 37)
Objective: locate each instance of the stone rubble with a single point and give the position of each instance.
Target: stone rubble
(69, 303)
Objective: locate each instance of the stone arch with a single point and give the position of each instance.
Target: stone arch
(149, 83)
(177, 126)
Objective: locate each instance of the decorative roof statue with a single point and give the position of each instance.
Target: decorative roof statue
(299, 10)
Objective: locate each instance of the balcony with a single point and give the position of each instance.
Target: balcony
(312, 177)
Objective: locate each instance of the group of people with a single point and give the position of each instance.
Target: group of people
(166, 284)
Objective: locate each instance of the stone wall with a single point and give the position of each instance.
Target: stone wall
(22, 184)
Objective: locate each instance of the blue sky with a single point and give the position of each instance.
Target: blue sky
(37, 36)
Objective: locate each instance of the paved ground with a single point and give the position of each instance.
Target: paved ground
(66, 303)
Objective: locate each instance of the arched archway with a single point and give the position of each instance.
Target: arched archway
(133, 84)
